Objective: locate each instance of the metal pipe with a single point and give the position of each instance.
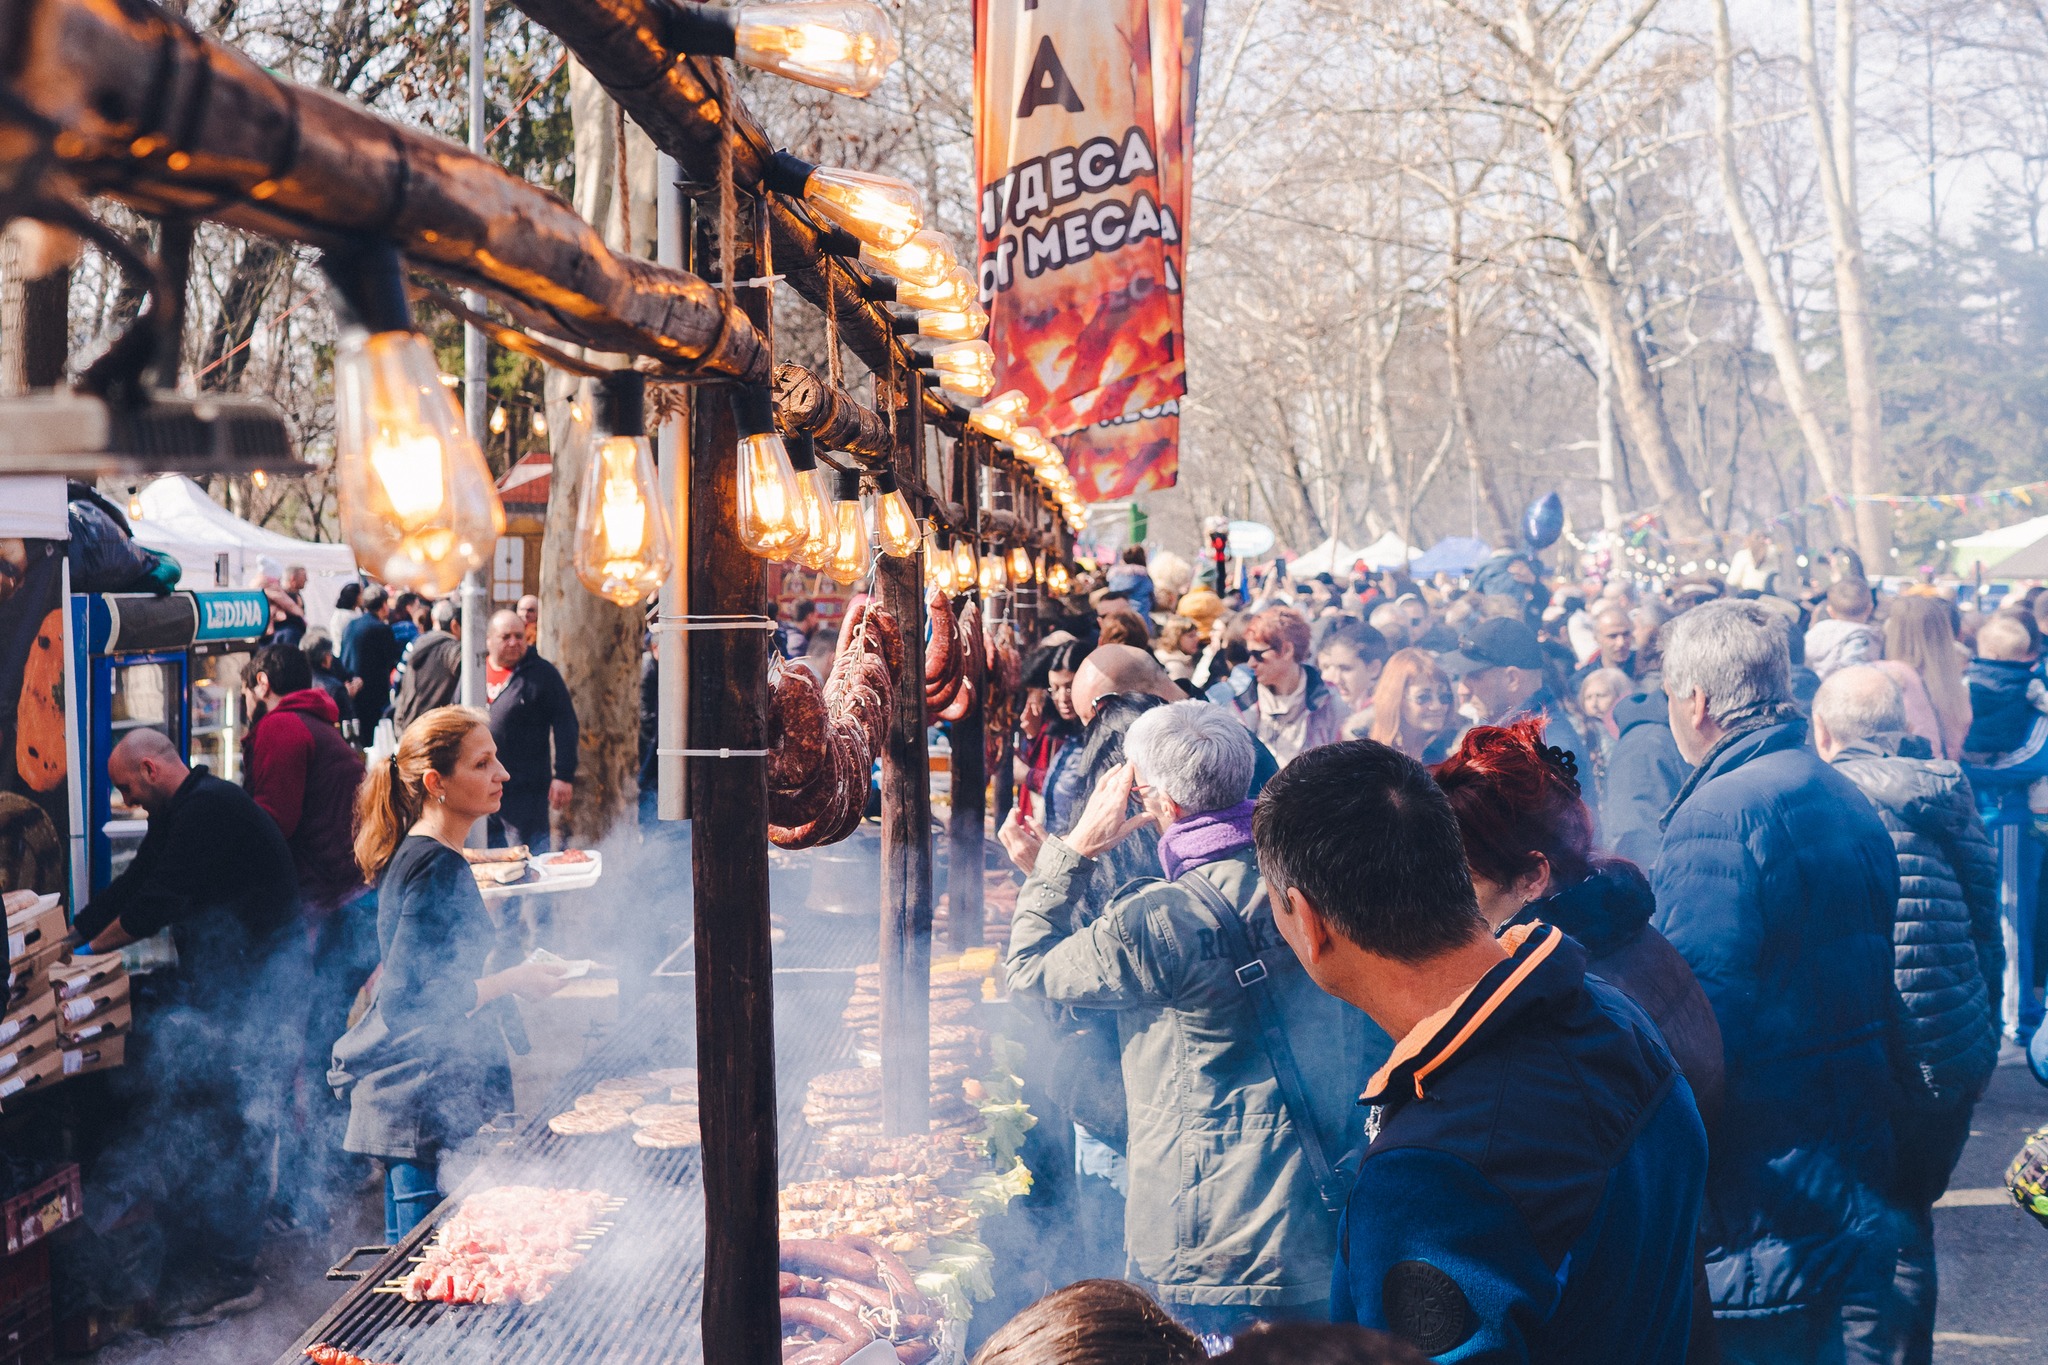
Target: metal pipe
(672, 649)
(475, 379)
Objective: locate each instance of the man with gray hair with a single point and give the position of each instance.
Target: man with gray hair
(1777, 883)
(1240, 1075)
(1947, 970)
(431, 674)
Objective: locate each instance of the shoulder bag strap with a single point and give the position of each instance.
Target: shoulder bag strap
(1252, 975)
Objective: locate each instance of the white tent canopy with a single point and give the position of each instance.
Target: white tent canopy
(1330, 557)
(1388, 552)
(217, 549)
(1990, 547)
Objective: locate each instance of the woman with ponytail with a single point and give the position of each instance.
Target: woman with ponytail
(428, 1064)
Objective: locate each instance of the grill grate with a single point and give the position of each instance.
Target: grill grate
(635, 1298)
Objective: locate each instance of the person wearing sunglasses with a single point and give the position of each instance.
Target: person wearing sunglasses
(1412, 707)
(1292, 709)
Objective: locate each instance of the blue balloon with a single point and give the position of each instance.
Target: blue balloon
(1543, 523)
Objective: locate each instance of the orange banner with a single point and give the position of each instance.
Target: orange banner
(1081, 203)
(1125, 455)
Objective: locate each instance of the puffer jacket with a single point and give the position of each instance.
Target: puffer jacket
(1644, 771)
(1948, 960)
(1222, 1209)
(1776, 884)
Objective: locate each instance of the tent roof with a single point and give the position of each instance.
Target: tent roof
(1388, 552)
(529, 479)
(181, 520)
(1452, 554)
(1990, 548)
(1327, 558)
(2027, 561)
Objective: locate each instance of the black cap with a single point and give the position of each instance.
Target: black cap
(1496, 643)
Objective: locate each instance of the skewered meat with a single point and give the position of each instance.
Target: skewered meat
(508, 1244)
(334, 1355)
(822, 1256)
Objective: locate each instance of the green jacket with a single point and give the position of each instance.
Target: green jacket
(1222, 1209)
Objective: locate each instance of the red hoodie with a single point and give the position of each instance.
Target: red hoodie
(305, 775)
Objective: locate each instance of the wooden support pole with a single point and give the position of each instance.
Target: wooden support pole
(128, 101)
(965, 829)
(729, 854)
(809, 405)
(906, 960)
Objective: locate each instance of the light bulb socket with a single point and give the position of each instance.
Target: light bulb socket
(876, 288)
(753, 410)
(622, 403)
(787, 173)
(954, 410)
(903, 326)
(885, 482)
(846, 485)
(922, 357)
(835, 241)
(702, 30)
(368, 279)
(803, 452)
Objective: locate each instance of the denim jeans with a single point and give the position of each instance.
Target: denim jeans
(411, 1189)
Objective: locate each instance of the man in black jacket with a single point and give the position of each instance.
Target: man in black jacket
(432, 675)
(216, 1042)
(369, 651)
(534, 723)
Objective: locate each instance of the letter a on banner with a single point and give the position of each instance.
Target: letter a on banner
(1080, 226)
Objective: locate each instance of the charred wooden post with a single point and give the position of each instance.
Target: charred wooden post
(209, 133)
(965, 829)
(729, 854)
(906, 959)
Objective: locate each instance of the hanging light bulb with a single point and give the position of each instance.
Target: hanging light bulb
(418, 506)
(260, 479)
(965, 367)
(994, 577)
(845, 46)
(1057, 579)
(947, 324)
(926, 259)
(895, 524)
(993, 425)
(956, 290)
(850, 557)
(1032, 447)
(498, 420)
(540, 422)
(622, 541)
(963, 563)
(771, 517)
(1020, 565)
(881, 212)
(816, 546)
(134, 507)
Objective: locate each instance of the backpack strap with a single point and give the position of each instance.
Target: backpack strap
(1251, 974)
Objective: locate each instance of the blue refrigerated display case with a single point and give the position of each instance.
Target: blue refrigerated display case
(167, 663)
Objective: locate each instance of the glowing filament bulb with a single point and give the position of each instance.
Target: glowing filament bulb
(418, 505)
(498, 420)
(845, 46)
(1020, 565)
(881, 212)
(963, 564)
(849, 558)
(771, 514)
(622, 540)
(540, 422)
(956, 291)
(1057, 580)
(926, 259)
(895, 525)
(965, 367)
(816, 546)
(994, 578)
(1032, 447)
(953, 324)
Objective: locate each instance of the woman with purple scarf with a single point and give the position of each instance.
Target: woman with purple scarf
(1207, 1111)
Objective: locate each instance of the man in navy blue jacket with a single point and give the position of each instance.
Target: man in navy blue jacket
(1531, 1191)
(1778, 884)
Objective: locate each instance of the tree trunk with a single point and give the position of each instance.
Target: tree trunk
(1479, 470)
(1642, 403)
(1607, 442)
(1778, 335)
(1835, 157)
(225, 356)
(595, 643)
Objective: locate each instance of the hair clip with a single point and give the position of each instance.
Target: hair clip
(1564, 763)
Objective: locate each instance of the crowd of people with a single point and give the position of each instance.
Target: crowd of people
(284, 894)
(1527, 969)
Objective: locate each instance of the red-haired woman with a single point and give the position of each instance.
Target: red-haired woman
(1529, 843)
(1412, 707)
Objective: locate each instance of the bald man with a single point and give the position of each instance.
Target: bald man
(534, 723)
(216, 1041)
(1614, 640)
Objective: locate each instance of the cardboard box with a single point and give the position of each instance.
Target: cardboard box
(99, 1055)
(28, 1017)
(39, 1074)
(36, 928)
(31, 977)
(107, 1023)
(37, 1212)
(82, 975)
(28, 1047)
(107, 995)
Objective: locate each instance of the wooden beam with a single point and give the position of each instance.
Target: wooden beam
(965, 830)
(729, 856)
(118, 97)
(906, 949)
(808, 405)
